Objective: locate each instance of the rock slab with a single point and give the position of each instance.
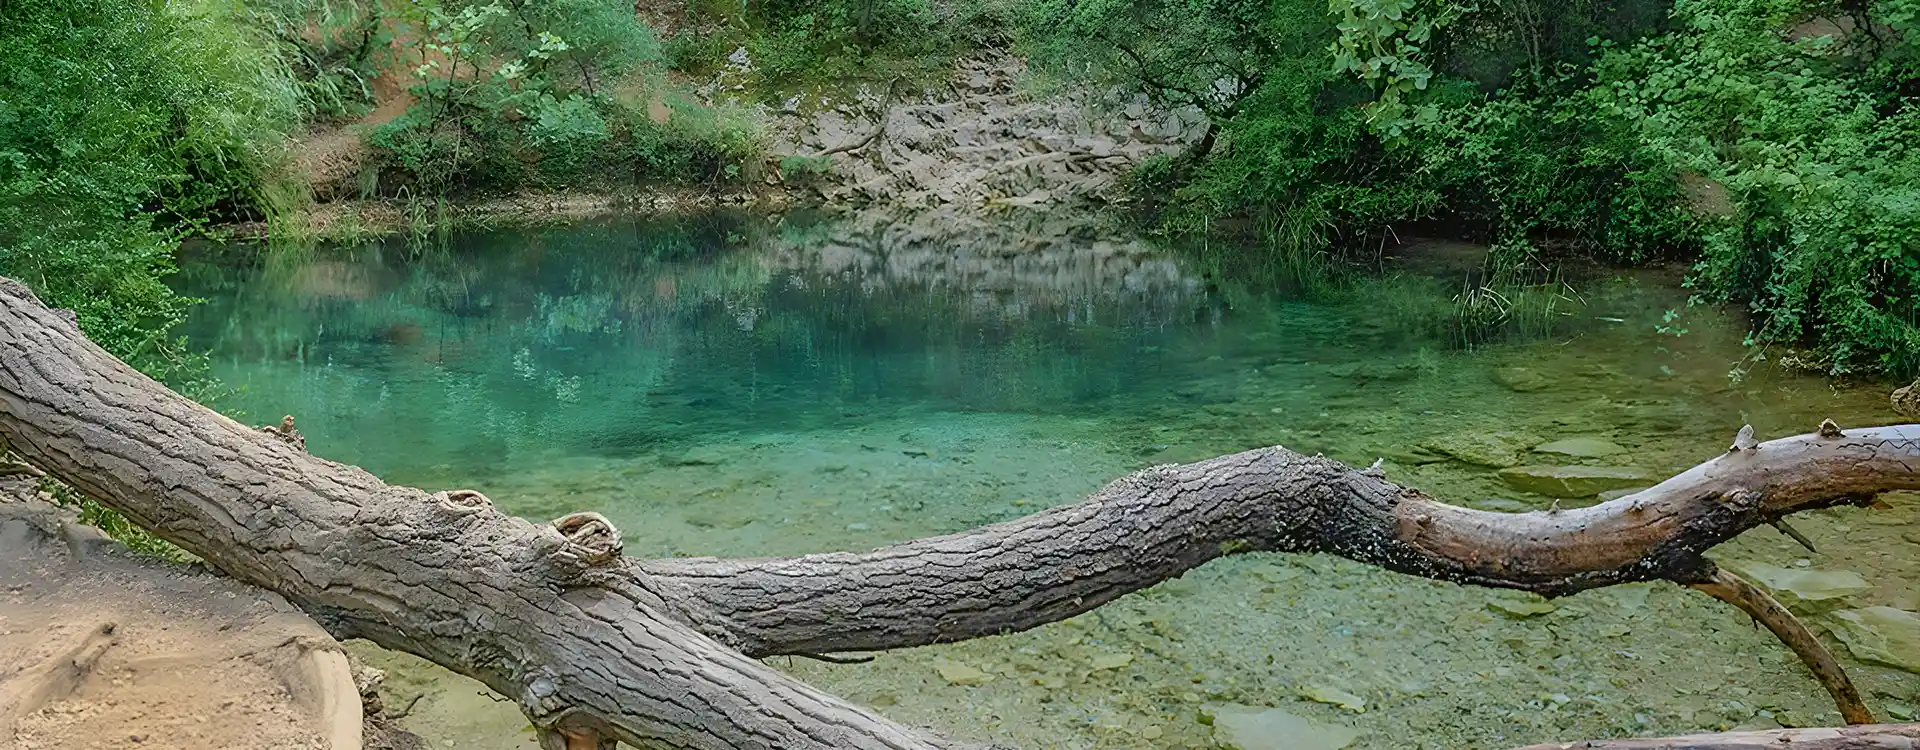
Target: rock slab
(1572, 481)
(1881, 635)
(1261, 728)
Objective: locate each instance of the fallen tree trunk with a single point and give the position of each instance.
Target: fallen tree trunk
(596, 648)
(1865, 737)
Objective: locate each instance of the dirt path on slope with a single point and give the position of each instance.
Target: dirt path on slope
(100, 648)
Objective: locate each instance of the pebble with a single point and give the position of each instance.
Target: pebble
(958, 673)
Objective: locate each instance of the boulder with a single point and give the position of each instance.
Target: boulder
(1572, 481)
(1492, 450)
(1521, 379)
(958, 673)
(1521, 609)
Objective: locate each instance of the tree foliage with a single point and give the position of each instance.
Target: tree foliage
(1772, 141)
(122, 127)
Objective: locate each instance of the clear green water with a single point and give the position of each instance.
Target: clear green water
(734, 386)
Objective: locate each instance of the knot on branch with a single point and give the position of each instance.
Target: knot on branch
(541, 700)
(1744, 440)
(286, 433)
(589, 540)
(1829, 430)
(462, 502)
(1741, 500)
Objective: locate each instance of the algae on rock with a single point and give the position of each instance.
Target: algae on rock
(1581, 447)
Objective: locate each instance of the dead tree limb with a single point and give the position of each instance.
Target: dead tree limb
(1766, 610)
(596, 648)
(1863, 737)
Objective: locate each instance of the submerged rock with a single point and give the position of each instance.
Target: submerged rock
(1495, 450)
(1520, 609)
(1881, 635)
(1581, 447)
(700, 456)
(958, 673)
(1521, 379)
(1804, 590)
(1572, 481)
(1416, 456)
(1367, 372)
(1244, 727)
(1334, 696)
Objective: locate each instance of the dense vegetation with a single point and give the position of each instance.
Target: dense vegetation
(1771, 142)
(123, 126)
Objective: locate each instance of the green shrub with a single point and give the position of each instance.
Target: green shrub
(123, 125)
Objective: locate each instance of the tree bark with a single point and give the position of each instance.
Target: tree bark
(1864, 737)
(597, 648)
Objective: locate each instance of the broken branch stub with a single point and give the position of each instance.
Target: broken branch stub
(659, 653)
(587, 541)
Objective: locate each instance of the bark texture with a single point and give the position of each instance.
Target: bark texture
(659, 653)
(1863, 737)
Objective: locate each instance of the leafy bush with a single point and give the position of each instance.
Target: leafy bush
(1773, 141)
(1815, 140)
(123, 125)
(546, 93)
(797, 42)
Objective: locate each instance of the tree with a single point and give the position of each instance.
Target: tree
(1205, 54)
(597, 648)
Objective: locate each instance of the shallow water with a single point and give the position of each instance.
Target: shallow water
(740, 386)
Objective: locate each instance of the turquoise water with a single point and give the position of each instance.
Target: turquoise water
(745, 385)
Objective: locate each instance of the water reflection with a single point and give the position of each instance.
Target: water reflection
(614, 335)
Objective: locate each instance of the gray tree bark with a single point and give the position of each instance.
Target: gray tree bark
(1872, 737)
(659, 654)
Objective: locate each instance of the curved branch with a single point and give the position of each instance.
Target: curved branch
(1161, 522)
(1766, 610)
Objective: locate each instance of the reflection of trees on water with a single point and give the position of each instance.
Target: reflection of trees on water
(616, 337)
(1013, 267)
